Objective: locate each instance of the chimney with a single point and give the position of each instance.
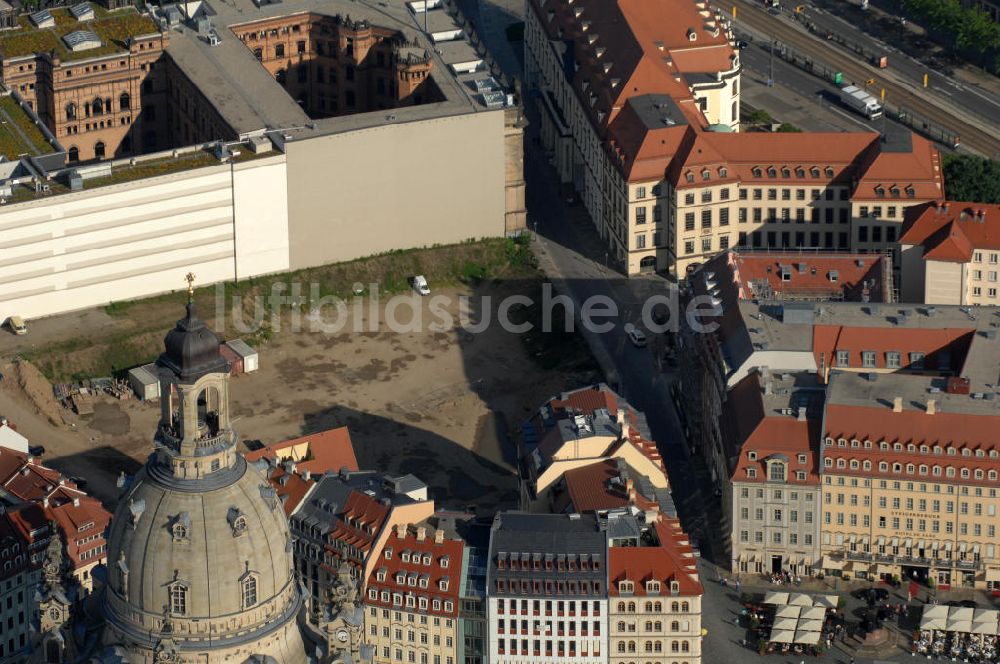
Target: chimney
(439, 536)
(897, 405)
(76, 502)
(931, 406)
(45, 501)
(421, 534)
(802, 414)
(400, 530)
(621, 417)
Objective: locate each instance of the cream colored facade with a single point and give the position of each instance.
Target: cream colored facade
(945, 282)
(583, 164)
(775, 527)
(395, 635)
(400, 185)
(887, 526)
(122, 241)
(659, 629)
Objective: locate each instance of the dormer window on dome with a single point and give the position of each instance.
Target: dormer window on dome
(237, 521)
(181, 527)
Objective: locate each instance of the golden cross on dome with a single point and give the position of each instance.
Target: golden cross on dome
(189, 277)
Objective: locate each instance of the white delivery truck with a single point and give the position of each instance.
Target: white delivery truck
(860, 101)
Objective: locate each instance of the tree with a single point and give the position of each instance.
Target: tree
(970, 178)
(788, 128)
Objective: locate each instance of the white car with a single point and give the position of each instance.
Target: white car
(635, 335)
(419, 284)
(16, 325)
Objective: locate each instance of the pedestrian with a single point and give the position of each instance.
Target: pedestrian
(737, 585)
(736, 620)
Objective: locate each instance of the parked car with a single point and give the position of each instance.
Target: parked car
(741, 44)
(16, 325)
(635, 335)
(872, 595)
(36, 450)
(419, 284)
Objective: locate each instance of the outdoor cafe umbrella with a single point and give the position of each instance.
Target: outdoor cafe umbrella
(800, 599)
(936, 611)
(813, 613)
(826, 601)
(775, 597)
(961, 613)
(807, 637)
(782, 636)
(784, 623)
(933, 623)
(810, 626)
(788, 612)
(958, 625)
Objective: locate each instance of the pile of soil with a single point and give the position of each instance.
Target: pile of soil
(38, 390)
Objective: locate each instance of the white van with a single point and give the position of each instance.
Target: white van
(16, 325)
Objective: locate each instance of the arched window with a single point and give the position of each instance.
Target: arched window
(685, 607)
(659, 626)
(685, 646)
(658, 647)
(178, 599)
(279, 51)
(249, 591)
(621, 625)
(74, 153)
(674, 647)
(107, 105)
(675, 626)
(631, 646)
(649, 624)
(71, 111)
(631, 607)
(99, 149)
(649, 608)
(649, 646)
(621, 646)
(621, 607)
(658, 608)
(97, 106)
(180, 531)
(124, 102)
(674, 607)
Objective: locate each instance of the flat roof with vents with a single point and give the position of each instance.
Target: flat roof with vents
(82, 11)
(81, 40)
(43, 19)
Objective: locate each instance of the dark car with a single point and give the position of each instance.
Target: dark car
(36, 450)
(741, 44)
(872, 595)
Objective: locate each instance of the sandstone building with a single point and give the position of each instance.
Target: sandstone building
(201, 555)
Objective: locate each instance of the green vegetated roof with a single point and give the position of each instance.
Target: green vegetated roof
(114, 29)
(18, 133)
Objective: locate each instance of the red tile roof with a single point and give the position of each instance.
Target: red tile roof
(670, 560)
(444, 566)
(81, 519)
(357, 526)
(290, 485)
(951, 231)
(749, 428)
(828, 339)
(755, 273)
(599, 486)
(329, 450)
(878, 423)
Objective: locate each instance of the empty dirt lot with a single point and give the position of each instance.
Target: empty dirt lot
(438, 404)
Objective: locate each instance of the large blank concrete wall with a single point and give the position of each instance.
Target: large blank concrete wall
(398, 186)
(944, 283)
(140, 238)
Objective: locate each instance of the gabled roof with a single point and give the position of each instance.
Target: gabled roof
(445, 565)
(951, 231)
(671, 559)
(320, 452)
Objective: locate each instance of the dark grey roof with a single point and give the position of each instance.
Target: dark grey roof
(192, 349)
(548, 543)
(406, 483)
(657, 111)
(327, 499)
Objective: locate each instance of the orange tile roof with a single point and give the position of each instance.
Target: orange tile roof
(445, 565)
(290, 486)
(918, 167)
(749, 427)
(357, 525)
(951, 231)
(757, 269)
(671, 560)
(878, 423)
(329, 450)
(828, 339)
(599, 486)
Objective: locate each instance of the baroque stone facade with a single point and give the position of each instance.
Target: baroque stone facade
(202, 556)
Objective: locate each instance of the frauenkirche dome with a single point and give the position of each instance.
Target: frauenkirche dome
(200, 555)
